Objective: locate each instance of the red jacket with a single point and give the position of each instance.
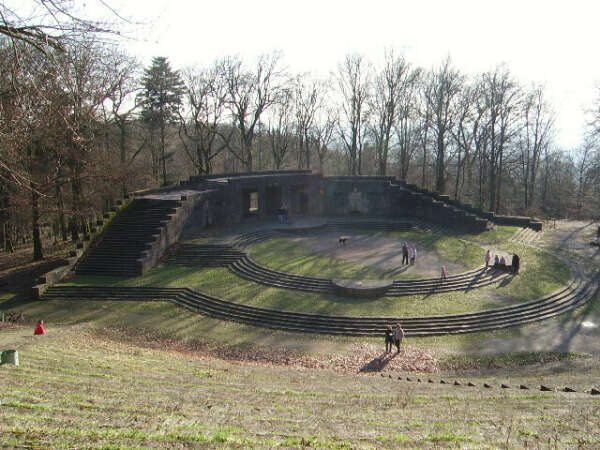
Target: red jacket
(39, 329)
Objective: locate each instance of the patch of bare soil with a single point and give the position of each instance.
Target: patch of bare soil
(378, 252)
(361, 358)
(573, 236)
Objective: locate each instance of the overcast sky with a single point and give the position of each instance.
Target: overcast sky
(548, 42)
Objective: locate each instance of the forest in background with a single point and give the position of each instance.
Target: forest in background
(82, 123)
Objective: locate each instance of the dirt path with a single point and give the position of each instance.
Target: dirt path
(574, 331)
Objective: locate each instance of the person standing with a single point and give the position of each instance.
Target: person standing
(405, 253)
(444, 273)
(398, 337)
(39, 328)
(413, 257)
(389, 339)
(516, 263)
(488, 257)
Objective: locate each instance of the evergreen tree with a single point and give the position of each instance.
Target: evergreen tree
(160, 100)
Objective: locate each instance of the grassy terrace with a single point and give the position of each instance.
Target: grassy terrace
(95, 388)
(543, 274)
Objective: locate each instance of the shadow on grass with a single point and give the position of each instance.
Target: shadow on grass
(379, 362)
(15, 302)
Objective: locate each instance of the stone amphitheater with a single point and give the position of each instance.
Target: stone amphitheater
(233, 212)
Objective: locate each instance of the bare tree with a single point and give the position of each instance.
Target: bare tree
(205, 103)
(405, 128)
(120, 110)
(321, 134)
(594, 113)
(470, 133)
(441, 97)
(424, 126)
(502, 96)
(279, 128)
(535, 135)
(309, 96)
(392, 87)
(354, 83)
(250, 94)
(52, 24)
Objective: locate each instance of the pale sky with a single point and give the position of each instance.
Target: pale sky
(548, 42)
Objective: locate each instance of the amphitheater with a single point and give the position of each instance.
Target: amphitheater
(216, 221)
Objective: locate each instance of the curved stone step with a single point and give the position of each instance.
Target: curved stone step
(564, 299)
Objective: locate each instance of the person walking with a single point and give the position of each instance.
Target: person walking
(405, 253)
(488, 257)
(444, 273)
(398, 337)
(389, 339)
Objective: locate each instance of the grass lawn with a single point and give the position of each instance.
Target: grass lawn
(80, 387)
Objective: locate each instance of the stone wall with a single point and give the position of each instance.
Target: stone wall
(303, 192)
(369, 196)
(297, 191)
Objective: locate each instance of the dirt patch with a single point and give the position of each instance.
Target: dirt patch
(573, 236)
(378, 252)
(359, 358)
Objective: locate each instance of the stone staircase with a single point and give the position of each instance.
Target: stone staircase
(131, 232)
(527, 236)
(438, 208)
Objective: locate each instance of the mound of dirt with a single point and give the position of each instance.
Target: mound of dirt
(360, 358)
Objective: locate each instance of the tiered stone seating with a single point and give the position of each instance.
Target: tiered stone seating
(439, 208)
(252, 271)
(130, 233)
(208, 255)
(572, 296)
(242, 265)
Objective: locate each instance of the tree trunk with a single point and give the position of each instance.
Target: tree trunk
(162, 152)
(61, 212)
(440, 182)
(35, 225)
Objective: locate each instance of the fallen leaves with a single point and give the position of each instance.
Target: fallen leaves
(358, 358)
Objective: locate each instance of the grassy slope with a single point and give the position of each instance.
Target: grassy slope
(81, 388)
